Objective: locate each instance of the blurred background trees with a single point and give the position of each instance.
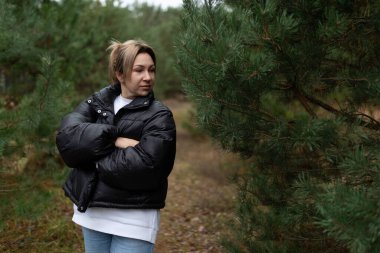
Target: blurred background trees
(53, 54)
(56, 50)
(293, 86)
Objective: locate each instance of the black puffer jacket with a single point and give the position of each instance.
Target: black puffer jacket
(106, 176)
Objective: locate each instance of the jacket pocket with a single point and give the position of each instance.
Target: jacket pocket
(87, 192)
(80, 187)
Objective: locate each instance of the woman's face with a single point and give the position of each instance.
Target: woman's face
(141, 80)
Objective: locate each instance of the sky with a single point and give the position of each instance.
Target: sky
(163, 3)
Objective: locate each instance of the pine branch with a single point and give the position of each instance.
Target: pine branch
(373, 120)
(296, 91)
(240, 108)
(303, 97)
(303, 101)
(337, 79)
(373, 124)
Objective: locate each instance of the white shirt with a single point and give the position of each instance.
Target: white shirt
(139, 224)
(120, 102)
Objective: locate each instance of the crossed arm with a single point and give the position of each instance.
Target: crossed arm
(122, 142)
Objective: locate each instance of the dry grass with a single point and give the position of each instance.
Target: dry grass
(39, 219)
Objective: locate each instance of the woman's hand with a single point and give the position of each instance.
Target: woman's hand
(122, 142)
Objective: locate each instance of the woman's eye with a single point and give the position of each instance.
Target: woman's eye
(151, 70)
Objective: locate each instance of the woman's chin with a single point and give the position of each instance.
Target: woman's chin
(144, 92)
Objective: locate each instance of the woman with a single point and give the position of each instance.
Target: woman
(121, 145)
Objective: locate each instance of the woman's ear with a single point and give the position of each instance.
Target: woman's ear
(120, 76)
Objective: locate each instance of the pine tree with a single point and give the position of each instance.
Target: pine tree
(293, 86)
(75, 33)
(28, 130)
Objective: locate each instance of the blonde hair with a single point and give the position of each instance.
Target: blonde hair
(123, 56)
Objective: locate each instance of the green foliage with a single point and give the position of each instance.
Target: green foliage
(28, 130)
(70, 37)
(33, 211)
(53, 54)
(294, 86)
(77, 33)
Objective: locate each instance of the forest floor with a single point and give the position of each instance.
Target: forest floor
(201, 196)
(36, 217)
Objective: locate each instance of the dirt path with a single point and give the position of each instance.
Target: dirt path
(200, 197)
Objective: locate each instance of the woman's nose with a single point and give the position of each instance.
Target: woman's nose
(147, 75)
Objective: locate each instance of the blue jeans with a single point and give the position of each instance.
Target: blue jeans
(98, 242)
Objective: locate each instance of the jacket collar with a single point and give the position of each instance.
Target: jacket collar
(141, 102)
(108, 95)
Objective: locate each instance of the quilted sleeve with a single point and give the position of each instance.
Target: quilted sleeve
(81, 141)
